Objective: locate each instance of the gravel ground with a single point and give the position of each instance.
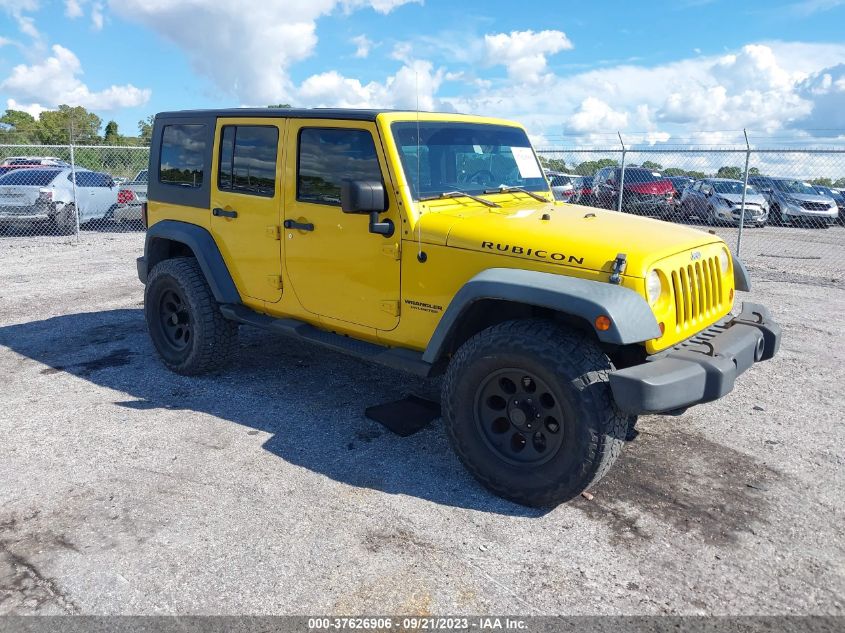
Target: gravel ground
(264, 490)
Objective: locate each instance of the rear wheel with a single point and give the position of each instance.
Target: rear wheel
(184, 320)
(65, 220)
(529, 411)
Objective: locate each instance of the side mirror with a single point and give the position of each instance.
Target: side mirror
(366, 197)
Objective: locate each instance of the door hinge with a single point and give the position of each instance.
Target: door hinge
(274, 232)
(391, 307)
(275, 281)
(391, 250)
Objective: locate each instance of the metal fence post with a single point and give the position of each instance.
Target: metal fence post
(622, 176)
(73, 186)
(744, 187)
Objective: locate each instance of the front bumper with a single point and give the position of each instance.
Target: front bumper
(701, 369)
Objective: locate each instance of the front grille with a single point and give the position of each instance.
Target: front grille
(697, 288)
(815, 206)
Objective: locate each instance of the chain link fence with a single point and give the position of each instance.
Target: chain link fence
(782, 211)
(58, 193)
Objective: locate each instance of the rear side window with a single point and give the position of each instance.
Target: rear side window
(182, 155)
(34, 177)
(248, 159)
(327, 157)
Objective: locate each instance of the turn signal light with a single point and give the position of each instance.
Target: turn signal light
(603, 323)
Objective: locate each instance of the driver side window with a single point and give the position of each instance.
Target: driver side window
(327, 157)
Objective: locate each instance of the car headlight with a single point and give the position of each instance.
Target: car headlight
(653, 286)
(724, 260)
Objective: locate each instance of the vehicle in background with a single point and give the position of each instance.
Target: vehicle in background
(131, 198)
(45, 197)
(645, 192)
(51, 161)
(565, 187)
(793, 201)
(837, 196)
(719, 201)
(680, 183)
(584, 196)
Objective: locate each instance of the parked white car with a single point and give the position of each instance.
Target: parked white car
(45, 196)
(130, 198)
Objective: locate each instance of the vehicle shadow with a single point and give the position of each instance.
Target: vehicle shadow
(311, 400)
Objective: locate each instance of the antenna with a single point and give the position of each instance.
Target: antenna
(420, 255)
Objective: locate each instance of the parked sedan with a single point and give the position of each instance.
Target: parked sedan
(837, 196)
(565, 187)
(793, 201)
(719, 201)
(45, 196)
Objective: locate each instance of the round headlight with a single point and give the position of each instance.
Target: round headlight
(653, 286)
(725, 260)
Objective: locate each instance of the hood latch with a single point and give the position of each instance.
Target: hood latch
(618, 268)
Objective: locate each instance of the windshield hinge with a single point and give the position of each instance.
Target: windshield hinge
(274, 232)
(618, 268)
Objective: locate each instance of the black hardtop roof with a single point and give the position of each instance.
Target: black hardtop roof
(293, 113)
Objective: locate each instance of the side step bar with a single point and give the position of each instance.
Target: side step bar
(396, 358)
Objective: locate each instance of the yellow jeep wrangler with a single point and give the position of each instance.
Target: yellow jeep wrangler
(432, 243)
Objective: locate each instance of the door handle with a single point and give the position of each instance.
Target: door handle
(299, 226)
(222, 213)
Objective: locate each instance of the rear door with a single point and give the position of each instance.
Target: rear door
(246, 203)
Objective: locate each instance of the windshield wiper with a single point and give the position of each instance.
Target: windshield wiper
(460, 194)
(508, 189)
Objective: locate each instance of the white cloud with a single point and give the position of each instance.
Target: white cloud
(73, 9)
(33, 109)
(594, 114)
(55, 81)
(97, 16)
(825, 91)
(524, 53)
(246, 53)
(363, 45)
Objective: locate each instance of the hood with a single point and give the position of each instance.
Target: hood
(807, 197)
(736, 198)
(576, 236)
(658, 187)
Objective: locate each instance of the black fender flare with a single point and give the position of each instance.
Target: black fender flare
(742, 280)
(632, 320)
(204, 248)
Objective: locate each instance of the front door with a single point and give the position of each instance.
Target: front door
(246, 204)
(339, 269)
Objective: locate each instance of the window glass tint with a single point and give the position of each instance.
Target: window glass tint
(328, 157)
(182, 155)
(142, 176)
(248, 159)
(35, 177)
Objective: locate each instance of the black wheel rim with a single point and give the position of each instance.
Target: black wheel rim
(175, 320)
(519, 417)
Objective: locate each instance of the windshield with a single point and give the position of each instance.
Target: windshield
(32, 177)
(794, 186)
(730, 186)
(470, 157)
(827, 191)
(642, 175)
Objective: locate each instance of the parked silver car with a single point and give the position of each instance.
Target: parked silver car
(793, 201)
(565, 187)
(45, 196)
(719, 201)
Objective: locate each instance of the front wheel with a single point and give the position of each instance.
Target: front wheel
(184, 320)
(529, 411)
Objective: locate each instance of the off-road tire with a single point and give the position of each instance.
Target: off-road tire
(212, 339)
(576, 371)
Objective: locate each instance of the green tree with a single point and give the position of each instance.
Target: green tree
(18, 127)
(145, 130)
(553, 164)
(590, 167)
(734, 173)
(112, 136)
(280, 105)
(652, 165)
(824, 182)
(55, 127)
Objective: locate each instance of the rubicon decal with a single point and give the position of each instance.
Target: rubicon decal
(539, 253)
